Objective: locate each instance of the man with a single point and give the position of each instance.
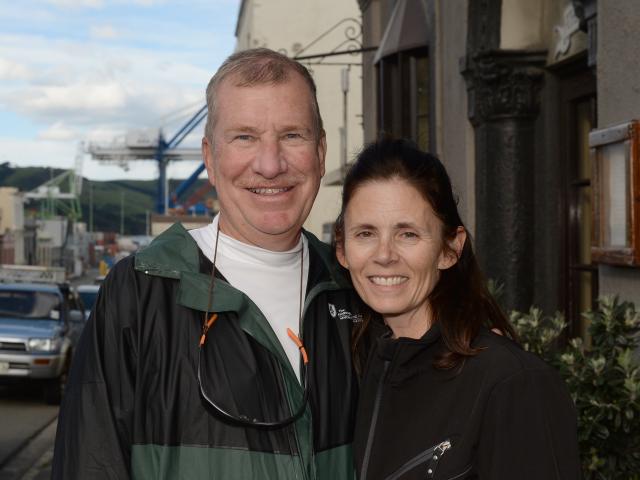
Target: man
(188, 370)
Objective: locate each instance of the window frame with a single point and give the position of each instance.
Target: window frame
(398, 113)
(628, 136)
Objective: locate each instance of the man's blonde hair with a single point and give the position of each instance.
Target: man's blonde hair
(259, 66)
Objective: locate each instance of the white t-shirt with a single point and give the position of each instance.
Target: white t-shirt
(270, 279)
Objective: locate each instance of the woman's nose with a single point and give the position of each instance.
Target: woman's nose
(385, 251)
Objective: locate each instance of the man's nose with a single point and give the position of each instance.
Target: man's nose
(270, 160)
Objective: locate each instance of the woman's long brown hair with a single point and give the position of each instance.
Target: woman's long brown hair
(460, 301)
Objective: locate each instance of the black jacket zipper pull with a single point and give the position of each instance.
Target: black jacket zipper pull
(438, 451)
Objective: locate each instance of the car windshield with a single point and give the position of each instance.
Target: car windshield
(88, 299)
(28, 305)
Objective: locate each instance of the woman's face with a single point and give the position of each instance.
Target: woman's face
(393, 248)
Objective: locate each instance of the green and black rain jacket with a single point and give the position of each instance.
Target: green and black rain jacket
(133, 408)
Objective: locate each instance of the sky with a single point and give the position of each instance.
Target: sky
(91, 71)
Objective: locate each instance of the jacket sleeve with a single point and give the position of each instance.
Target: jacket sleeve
(529, 430)
(96, 417)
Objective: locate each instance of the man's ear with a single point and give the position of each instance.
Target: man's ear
(207, 157)
(449, 256)
(322, 152)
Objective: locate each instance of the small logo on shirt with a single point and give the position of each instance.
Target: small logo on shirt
(344, 314)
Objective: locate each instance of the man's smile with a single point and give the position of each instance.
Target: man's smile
(269, 191)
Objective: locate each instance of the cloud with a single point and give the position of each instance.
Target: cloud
(82, 97)
(90, 84)
(58, 132)
(76, 3)
(148, 3)
(26, 152)
(104, 32)
(91, 70)
(12, 70)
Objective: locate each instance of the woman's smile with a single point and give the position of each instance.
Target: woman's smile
(386, 281)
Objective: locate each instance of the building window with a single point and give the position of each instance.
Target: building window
(403, 96)
(583, 273)
(578, 118)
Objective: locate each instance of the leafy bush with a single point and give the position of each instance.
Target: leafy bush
(604, 381)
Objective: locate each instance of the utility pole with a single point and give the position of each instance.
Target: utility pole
(121, 212)
(345, 119)
(91, 208)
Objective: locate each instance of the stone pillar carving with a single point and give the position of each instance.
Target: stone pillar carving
(503, 93)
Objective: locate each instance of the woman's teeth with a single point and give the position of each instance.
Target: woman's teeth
(388, 281)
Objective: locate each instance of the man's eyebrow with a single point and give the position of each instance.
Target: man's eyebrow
(295, 127)
(242, 129)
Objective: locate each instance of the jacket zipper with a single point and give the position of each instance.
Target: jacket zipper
(374, 420)
(315, 291)
(294, 431)
(432, 456)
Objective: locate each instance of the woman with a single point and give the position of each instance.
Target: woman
(442, 396)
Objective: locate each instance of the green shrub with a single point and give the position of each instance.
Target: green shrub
(604, 381)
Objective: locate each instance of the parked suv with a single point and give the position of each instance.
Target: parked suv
(40, 324)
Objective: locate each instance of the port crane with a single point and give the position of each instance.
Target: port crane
(152, 145)
(61, 194)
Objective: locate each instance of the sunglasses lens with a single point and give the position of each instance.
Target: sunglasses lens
(261, 398)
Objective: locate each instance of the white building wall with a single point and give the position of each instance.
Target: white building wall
(455, 138)
(11, 209)
(12, 219)
(288, 26)
(52, 231)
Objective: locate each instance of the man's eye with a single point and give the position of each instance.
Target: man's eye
(364, 234)
(292, 136)
(410, 235)
(243, 138)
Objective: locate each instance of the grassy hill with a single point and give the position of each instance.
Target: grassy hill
(138, 197)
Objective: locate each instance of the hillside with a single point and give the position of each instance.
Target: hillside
(139, 197)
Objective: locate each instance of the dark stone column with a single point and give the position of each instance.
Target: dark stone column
(503, 89)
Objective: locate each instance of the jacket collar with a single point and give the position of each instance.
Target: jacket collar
(403, 352)
(175, 254)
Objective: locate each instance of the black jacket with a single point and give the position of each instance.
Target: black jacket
(504, 415)
(133, 408)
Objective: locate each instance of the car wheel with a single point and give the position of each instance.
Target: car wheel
(53, 389)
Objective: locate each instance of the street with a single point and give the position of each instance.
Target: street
(27, 434)
(28, 425)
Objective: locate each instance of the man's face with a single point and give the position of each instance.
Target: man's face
(266, 161)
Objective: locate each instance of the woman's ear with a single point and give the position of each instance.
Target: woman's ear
(449, 256)
(340, 254)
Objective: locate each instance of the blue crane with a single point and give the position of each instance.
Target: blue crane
(163, 161)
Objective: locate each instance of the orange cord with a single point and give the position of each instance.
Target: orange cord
(294, 337)
(206, 328)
